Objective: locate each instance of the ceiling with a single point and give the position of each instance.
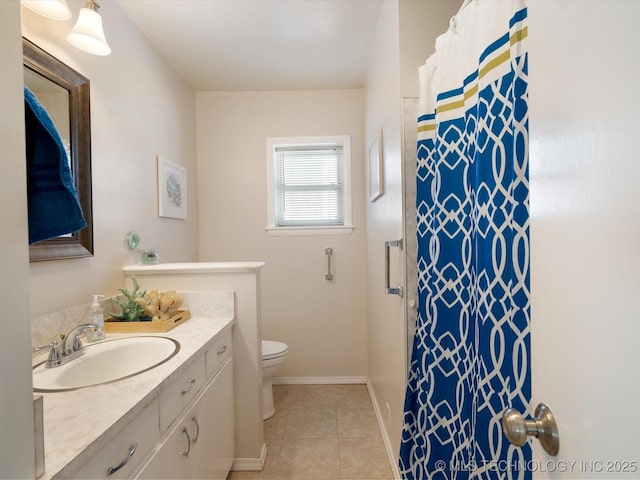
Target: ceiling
(239, 45)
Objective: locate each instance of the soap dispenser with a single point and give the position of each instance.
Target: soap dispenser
(97, 318)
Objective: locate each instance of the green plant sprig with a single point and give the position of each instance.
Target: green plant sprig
(131, 309)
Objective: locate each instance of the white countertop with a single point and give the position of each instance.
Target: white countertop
(89, 418)
(193, 268)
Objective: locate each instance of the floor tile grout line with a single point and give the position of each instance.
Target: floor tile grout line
(339, 448)
(284, 428)
(338, 402)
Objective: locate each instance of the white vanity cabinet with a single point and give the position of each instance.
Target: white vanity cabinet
(200, 444)
(122, 455)
(133, 428)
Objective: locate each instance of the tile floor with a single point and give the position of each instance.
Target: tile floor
(322, 432)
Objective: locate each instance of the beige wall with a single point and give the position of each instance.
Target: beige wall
(16, 413)
(139, 108)
(386, 327)
(322, 322)
(420, 23)
(406, 36)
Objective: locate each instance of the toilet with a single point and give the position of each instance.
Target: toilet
(273, 356)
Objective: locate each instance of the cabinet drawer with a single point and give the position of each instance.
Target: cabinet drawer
(180, 392)
(142, 432)
(218, 353)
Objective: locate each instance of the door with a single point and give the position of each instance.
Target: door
(169, 462)
(409, 186)
(585, 234)
(213, 437)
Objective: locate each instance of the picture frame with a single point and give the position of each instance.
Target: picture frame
(375, 181)
(172, 189)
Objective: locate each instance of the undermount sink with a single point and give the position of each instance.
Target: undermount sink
(106, 362)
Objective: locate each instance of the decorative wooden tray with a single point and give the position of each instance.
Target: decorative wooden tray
(111, 325)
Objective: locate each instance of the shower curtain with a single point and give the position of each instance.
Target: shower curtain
(470, 357)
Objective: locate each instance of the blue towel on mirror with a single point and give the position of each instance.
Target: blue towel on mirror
(54, 208)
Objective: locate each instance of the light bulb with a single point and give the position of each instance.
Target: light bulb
(87, 34)
(54, 9)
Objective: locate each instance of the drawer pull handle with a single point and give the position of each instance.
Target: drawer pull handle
(195, 439)
(132, 450)
(222, 350)
(188, 451)
(191, 386)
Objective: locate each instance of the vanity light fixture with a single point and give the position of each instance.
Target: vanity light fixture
(87, 35)
(53, 9)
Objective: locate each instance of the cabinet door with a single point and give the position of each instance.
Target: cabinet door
(170, 460)
(213, 452)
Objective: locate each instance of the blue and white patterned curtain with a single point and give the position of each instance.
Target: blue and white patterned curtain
(471, 356)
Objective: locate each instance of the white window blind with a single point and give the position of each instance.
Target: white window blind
(309, 185)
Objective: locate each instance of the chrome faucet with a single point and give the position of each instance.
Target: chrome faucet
(71, 346)
(72, 342)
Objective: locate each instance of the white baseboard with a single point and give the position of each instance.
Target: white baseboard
(393, 456)
(318, 380)
(250, 464)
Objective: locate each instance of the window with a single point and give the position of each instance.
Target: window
(309, 185)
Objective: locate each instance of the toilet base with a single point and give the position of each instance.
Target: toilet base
(268, 409)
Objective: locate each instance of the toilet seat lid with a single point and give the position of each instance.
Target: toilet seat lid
(272, 349)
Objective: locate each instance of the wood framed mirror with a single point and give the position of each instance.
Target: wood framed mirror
(70, 91)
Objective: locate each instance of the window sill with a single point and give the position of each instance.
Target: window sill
(300, 231)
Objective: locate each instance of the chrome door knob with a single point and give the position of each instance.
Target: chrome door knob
(543, 427)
